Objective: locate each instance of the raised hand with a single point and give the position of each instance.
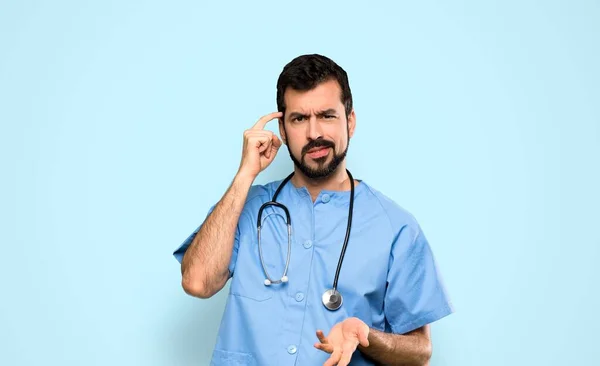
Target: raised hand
(342, 341)
(260, 147)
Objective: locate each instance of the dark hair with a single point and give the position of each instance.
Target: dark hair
(306, 72)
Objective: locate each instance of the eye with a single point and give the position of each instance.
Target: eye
(329, 116)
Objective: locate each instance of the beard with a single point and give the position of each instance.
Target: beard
(323, 169)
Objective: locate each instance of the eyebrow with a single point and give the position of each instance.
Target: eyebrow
(327, 111)
(319, 113)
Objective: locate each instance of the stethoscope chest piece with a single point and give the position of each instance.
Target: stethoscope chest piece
(332, 299)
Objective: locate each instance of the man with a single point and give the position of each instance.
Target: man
(388, 289)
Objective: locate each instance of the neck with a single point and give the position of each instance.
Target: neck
(337, 181)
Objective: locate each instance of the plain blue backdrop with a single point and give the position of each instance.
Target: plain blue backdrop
(122, 121)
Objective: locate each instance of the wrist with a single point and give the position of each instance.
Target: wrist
(244, 178)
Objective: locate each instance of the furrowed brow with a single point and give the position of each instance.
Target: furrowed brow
(326, 112)
(298, 114)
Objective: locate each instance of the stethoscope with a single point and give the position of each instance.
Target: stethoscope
(332, 298)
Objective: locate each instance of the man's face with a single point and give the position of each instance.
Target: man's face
(316, 130)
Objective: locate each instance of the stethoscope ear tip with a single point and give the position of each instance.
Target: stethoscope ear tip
(284, 279)
(267, 282)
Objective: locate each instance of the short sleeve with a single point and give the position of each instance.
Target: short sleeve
(180, 251)
(415, 295)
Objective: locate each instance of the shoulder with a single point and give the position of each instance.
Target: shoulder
(257, 195)
(260, 193)
(399, 217)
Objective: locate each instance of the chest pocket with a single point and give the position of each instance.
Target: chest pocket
(248, 278)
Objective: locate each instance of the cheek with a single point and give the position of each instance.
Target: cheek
(340, 139)
(336, 132)
(295, 145)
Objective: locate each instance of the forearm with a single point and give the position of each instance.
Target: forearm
(396, 349)
(204, 267)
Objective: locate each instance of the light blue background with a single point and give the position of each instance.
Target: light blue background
(122, 123)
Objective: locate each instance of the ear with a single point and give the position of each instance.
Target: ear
(351, 123)
(282, 131)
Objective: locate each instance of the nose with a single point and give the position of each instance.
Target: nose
(314, 129)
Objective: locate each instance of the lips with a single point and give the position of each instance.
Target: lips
(318, 152)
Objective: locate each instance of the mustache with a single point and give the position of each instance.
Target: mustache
(317, 143)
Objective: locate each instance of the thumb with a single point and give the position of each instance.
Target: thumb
(276, 142)
(363, 337)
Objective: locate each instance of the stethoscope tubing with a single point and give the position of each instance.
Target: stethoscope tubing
(332, 298)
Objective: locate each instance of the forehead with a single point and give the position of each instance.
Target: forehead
(326, 95)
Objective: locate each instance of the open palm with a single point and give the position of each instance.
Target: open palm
(342, 340)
